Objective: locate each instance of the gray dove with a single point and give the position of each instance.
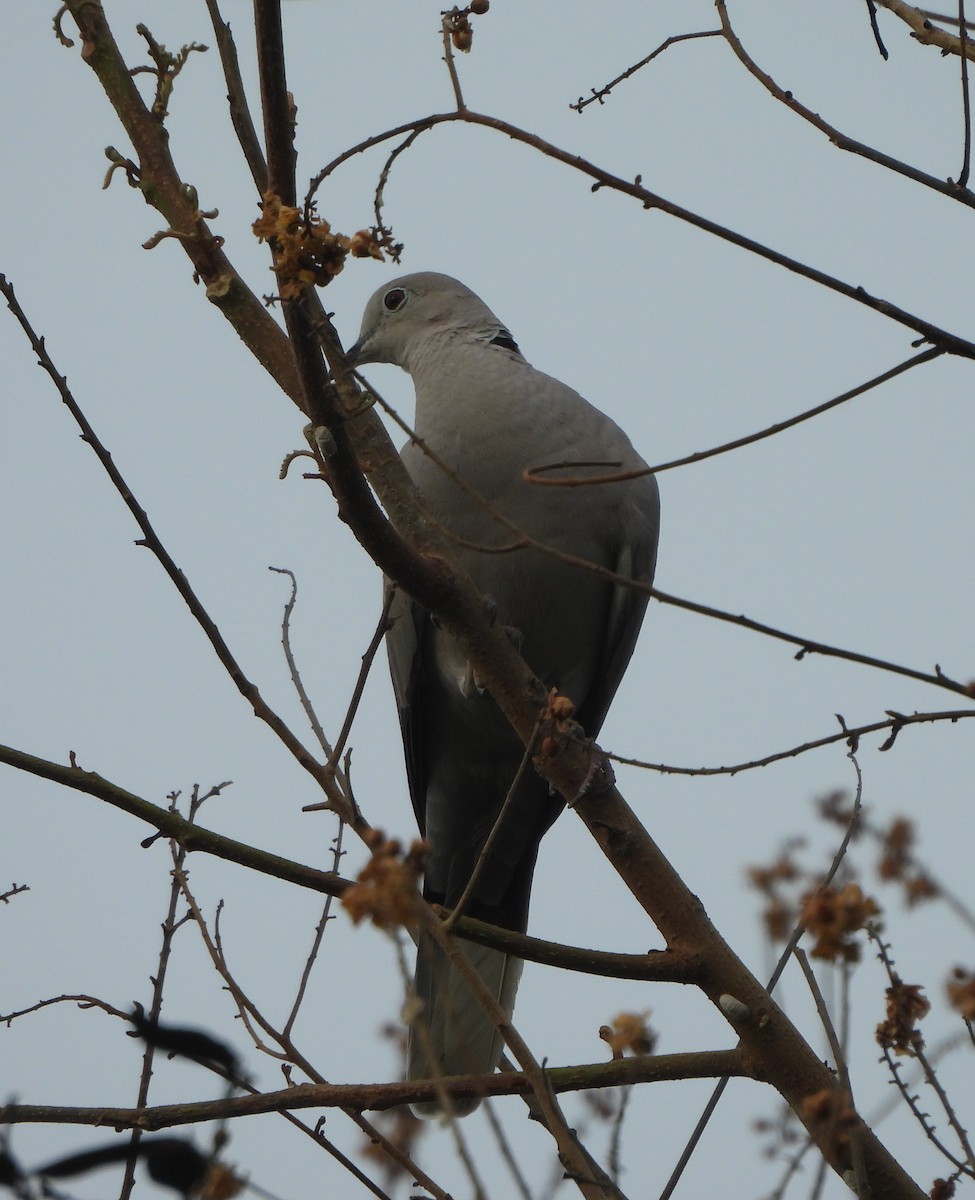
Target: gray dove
(488, 414)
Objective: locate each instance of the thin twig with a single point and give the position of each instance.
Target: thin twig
(379, 198)
(947, 1046)
(506, 1151)
(895, 723)
(931, 1078)
(169, 927)
(809, 646)
(368, 658)
(616, 1140)
(240, 113)
(536, 474)
(296, 680)
(448, 57)
(170, 824)
(82, 1000)
(604, 91)
(962, 180)
(948, 18)
(337, 853)
(875, 29)
(696, 1134)
(839, 1059)
(834, 866)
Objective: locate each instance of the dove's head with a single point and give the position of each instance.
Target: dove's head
(403, 315)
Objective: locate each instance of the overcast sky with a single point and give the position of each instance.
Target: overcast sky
(854, 529)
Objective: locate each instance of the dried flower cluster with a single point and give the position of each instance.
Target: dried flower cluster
(457, 23)
(629, 1032)
(220, 1183)
(780, 915)
(942, 1189)
(555, 724)
(365, 243)
(906, 1005)
(375, 242)
(961, 992)
(832, 915)
(837, 808)
(386, 889)
(306, 252)
(830, 1113)
(897, 863)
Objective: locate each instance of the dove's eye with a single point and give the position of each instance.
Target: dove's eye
(394, 300)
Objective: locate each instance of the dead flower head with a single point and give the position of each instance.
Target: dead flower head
(386, 889)
(221, 1183)
(831, 1112)
(306, 252)
(942, 1189)
(961, 992)
(906, 1005)
(780, 912)
(837, 807)
(832, 916)
(555, 723)
(366, 244)
(897, 863)
(629, 1032)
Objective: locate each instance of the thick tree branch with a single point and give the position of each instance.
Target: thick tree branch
(704, 1064)
(162, 188)
(172, 825)
(237, 98)
(656, 965)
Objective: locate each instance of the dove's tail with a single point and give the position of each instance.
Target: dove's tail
(450, 1029)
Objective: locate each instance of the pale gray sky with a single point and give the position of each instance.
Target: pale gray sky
(854, 529)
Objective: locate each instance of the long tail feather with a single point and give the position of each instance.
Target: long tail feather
(451, 1029)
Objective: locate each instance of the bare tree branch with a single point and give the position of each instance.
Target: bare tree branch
(953, 343)
(603, 92)
(926, 33)
(954, 190)
(702, 1064)
(810, 646)
(895, 723)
